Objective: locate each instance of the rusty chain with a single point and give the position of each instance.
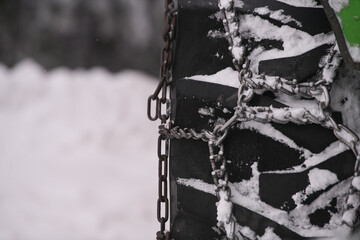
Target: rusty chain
(162, 112)
(159, 97)
(163, 200)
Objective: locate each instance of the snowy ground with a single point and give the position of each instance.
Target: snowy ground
(77, 155)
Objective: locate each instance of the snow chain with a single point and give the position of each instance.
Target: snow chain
(318, 90)
(162, 112)
(248, 83)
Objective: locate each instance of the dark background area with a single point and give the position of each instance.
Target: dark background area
(115, 34)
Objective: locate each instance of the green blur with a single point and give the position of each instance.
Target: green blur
(350, 17)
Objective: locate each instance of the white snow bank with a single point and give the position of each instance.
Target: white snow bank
(77, 155)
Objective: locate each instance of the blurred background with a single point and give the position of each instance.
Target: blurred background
(115, 34)
(77, 153)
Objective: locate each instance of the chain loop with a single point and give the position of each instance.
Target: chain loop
(163, 201)
(151, 99)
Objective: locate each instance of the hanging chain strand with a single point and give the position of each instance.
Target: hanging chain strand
(159, 97)
(163, 200)
(162, 112)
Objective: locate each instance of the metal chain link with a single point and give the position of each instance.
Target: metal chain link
(222, 189)
(163, 200)
(161, 102)
(162, 111)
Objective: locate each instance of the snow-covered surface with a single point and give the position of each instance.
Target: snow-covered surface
(345, 98)
(246, 192)
(329, 73)
(320, 179)
(356, 182)
(269, 235)
(224, 212)
(250, 188)
(332, 150)
(354, 199)
(246, 232)
(77, 155)
(338, 5)
(277, 15)
(227, 77)
(255, 27)
(206, 111)
(297, 220)
(225, 3)
(345, 93)
(268, 130)
(301, 3)
(238, 3)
